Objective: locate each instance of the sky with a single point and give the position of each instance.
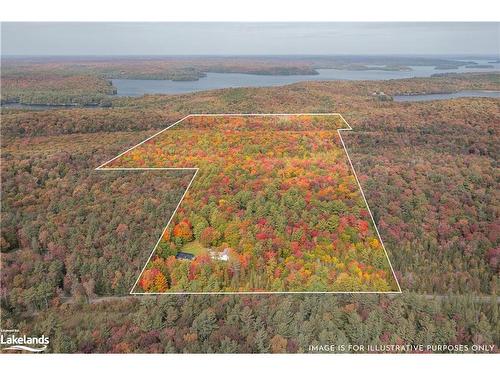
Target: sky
(250, 38)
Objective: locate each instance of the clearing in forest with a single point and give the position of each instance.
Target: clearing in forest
(273, 206)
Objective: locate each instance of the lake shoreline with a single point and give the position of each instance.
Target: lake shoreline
(213, 80)
(410, 97)
(47, 106)
(414, 97)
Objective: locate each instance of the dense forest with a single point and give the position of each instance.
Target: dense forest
(275, 197)
(55, 89)
(75, 218)
(267, 324)
(429, 171)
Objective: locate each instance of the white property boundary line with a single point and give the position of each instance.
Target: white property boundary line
(103, 168)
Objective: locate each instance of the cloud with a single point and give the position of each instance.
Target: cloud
(249, 38)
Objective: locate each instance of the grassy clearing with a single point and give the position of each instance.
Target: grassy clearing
(194, 247)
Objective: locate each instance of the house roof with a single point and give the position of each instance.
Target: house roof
(183, 255)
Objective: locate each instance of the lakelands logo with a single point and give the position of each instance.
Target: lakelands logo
(16, 342)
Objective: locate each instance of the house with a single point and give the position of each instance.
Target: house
(220, 255)
(215, 255)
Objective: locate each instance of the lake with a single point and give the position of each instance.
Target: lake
(459, 94)
(44, 107)
(139, 87)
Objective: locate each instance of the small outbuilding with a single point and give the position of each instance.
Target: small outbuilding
(184, 256)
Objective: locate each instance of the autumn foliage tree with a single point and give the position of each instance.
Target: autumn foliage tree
(183, 231)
